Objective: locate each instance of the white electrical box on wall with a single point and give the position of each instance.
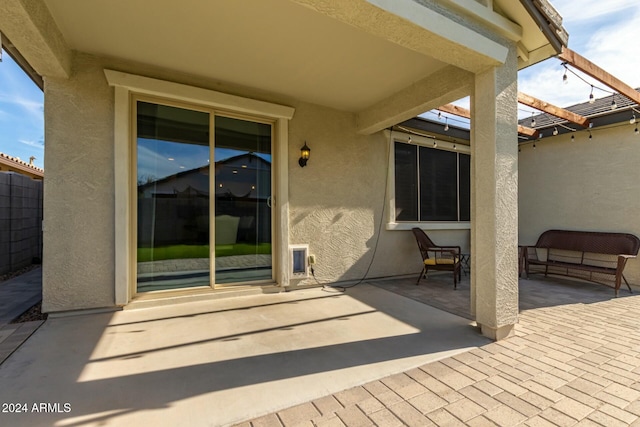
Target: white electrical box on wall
(298, 260)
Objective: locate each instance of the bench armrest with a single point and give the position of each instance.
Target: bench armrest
(627, 256)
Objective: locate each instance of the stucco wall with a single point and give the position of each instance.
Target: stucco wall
(587, 185)
(78, 252)
(335, 203)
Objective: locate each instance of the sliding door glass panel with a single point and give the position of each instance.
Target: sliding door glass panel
(173, 197)
(242, 201)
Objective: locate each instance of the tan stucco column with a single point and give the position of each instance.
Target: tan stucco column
(494, 222)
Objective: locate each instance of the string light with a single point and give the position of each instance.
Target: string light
(439, 114)
(446, 124)
(592, 98)
(533, 120)
(435, 144)
(555, 130)
(613, 103)
(534, 145)
(573, 138)
(632, 120)
(409, 141)
(454, 147)
(565, 78)
(636, 131)
(590, 135)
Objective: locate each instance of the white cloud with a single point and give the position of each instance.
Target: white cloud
(573, 11)
(36, 144)
(606, 40)
(611, 48)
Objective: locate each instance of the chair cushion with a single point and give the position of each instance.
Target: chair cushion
(434, 261)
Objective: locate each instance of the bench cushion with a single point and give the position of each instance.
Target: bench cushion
(438, 261)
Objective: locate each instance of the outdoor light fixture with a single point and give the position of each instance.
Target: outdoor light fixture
(555, 131)
(304, 155)
(613, 103)
(632, 120)
(533, 120)
(592, 98)
(565, 78)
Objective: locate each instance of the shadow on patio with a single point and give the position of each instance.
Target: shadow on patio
(534, 292)
(217, 362)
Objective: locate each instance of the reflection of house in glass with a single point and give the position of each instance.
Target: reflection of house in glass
(178, 205)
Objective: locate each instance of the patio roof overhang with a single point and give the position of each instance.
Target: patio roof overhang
(384, 61)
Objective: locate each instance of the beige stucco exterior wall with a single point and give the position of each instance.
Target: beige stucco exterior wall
(78, 250)
(335, 203)
(587, 185)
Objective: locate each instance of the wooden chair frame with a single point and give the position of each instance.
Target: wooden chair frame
(452, 255)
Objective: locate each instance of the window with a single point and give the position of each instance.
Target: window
(188, 99)
(431, 184)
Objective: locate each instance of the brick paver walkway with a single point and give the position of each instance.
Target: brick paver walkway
(572, 364)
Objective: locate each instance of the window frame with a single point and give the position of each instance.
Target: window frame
(422, 141)
(130, 87)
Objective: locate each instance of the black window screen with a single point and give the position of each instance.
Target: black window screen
(431, 184)
(406, 169)
(465, 187)
(438, 185)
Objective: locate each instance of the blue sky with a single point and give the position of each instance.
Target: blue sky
(603, 31)
(21, 113)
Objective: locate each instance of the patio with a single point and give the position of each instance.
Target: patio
(223, 361)
(227, 360)
(574, 361)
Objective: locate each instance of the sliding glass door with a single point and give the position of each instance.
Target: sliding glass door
(242, 201)
(181, 230)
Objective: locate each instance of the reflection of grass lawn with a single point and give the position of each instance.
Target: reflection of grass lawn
(200, 251)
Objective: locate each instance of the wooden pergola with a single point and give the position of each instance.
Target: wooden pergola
(579, 62)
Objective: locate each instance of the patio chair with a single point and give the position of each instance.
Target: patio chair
(435, 257)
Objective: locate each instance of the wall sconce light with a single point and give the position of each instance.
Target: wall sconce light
(304, 155)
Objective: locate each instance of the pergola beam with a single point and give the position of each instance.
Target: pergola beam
(538, 104)
(591, 69)
(455, 110)
(523, 130)
(463, 112)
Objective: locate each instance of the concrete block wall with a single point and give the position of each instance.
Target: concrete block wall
(20, 221)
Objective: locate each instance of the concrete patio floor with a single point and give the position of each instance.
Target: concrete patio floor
(222, 361)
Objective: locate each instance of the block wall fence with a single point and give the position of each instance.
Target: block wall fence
(20, 221)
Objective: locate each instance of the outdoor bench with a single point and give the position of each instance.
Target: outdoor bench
(582, 254)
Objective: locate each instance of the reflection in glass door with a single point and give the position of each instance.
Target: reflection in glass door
(174, 208)
(172, 197)
(242, 201)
